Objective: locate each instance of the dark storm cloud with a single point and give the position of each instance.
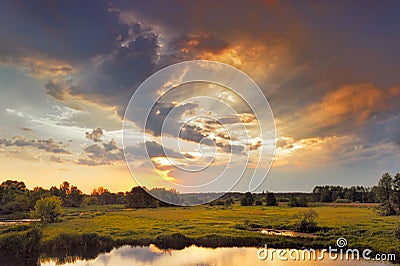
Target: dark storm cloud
(48, 145)
(122, 70)
(159, 114)
(353, 43)
(71, 30)
(193, 133)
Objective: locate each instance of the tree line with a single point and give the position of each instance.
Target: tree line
(15, 197)
(345, 194)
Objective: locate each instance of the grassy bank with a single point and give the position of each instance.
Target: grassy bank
(102, 227)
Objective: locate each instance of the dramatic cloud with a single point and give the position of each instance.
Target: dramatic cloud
(152, 149)
(105, 154)
(354, 103)
(63, 31)
(333, 84)
(189, 45)
(114, 75)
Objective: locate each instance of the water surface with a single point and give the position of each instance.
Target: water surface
(190, 256)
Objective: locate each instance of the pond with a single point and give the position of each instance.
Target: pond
(193, 255)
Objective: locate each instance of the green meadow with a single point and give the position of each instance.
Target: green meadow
(206, 225)
(88, 231)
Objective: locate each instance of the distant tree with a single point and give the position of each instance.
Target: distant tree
(37, 193)
(74, 197)
(168, 198)
(228, 202)
(13, 197)
(350, 194)
(102, 195)
(13, 184)
(371, 196)
(18, 203)
(396, 192)
(48, 209)
(64, 190)
(271, 199)
(54, 191)
(89, 201)
(316, 193)
(247, 199)
(70, 195)
(302, 201)
(139, 198)
(258, 203)
(385, 190)
(292, 201)
(336, 193)
(326, 195)
(305, 221)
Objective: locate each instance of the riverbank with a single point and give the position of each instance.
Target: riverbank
(96, 229)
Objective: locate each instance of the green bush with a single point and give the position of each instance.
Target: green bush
(48, 209)
(306, 221)
(302, 201)
(247, 199)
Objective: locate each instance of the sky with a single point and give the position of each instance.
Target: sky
(329, 70)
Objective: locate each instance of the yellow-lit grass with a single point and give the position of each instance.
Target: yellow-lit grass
(362, 226)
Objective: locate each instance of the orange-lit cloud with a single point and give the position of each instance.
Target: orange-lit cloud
(356, 102)
(46, 68)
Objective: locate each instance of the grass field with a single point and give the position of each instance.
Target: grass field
(86, 232)
(359, 224)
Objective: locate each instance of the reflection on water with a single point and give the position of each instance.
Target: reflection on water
(151, 255)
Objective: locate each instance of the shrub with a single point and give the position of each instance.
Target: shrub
(306, 221)
(247, 199)
(20, 242)
(48, 209)
(271, 199)
(298, 202)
